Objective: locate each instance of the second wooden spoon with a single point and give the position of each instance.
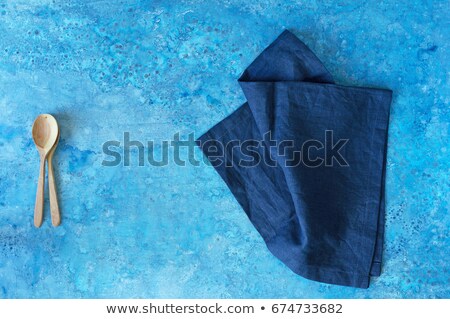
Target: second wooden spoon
(54, 207)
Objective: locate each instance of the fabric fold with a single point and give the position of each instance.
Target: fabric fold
(305, 158)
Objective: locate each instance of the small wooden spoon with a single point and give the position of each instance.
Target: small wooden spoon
(45, 134)
(54, 207)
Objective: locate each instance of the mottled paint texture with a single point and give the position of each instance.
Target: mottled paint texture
(154, 68)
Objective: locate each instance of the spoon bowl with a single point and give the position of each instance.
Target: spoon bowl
(45, 132)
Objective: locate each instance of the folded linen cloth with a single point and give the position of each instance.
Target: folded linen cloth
(305, 158)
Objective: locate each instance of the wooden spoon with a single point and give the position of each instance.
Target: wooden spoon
(54, 207)
(45, 134)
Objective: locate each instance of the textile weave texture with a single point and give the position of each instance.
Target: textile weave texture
(305, 158)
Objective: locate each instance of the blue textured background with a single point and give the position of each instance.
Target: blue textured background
(154, 68)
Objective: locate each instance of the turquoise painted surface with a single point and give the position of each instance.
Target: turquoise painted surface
(154, 68)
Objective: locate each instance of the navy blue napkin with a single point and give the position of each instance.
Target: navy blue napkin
(305, 158)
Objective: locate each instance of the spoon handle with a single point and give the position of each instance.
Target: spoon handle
(54, 207)
(39, 206)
